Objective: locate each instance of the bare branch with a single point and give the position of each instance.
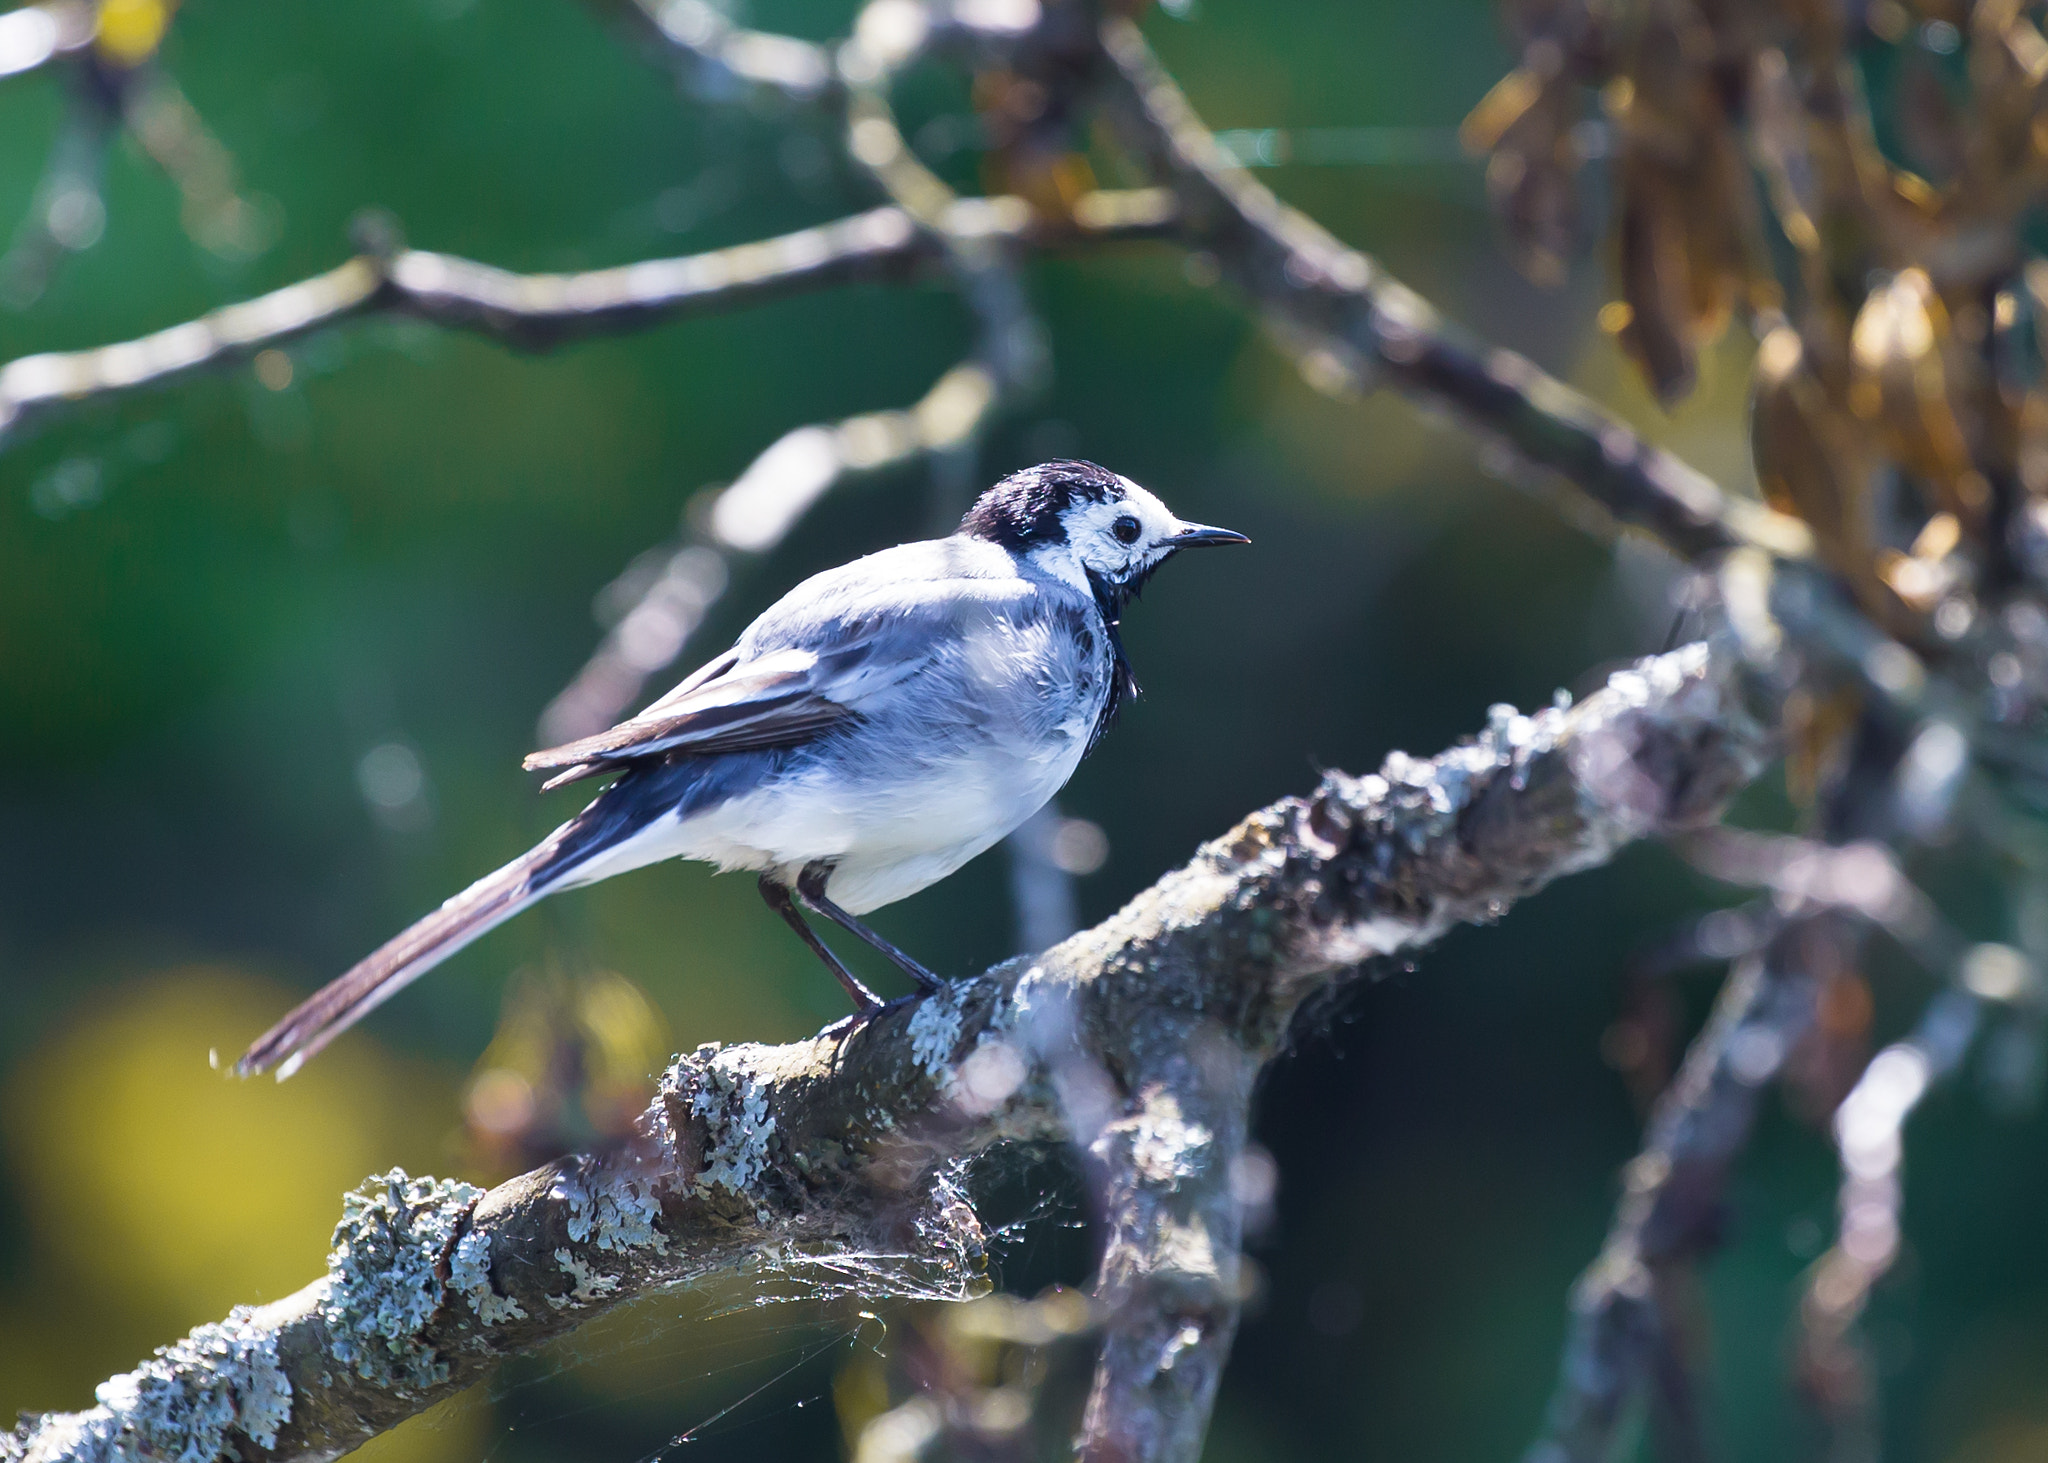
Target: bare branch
(1834, 1372)
(1169, 1283)
(837, 1156)
(68, 210)
(1358, 324)
(751, 517)
(538, 311)
(1629, 1333)
(713, 57)
(35, 35)
(1802, 875)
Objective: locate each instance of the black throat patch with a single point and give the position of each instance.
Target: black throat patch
(1025, 511)
(1110, 600)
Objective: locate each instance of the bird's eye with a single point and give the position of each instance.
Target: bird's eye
(1125, 529)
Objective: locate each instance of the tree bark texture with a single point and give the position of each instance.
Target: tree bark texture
(840, 1158)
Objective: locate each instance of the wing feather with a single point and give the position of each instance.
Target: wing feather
(811, 662)
(780, 700)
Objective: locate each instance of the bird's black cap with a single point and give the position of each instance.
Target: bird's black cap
(1025, 509)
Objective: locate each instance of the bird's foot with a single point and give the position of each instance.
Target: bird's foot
(810, 888)
(842, 1030)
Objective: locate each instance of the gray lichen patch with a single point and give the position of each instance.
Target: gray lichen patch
(935, 1031)
(738, 1128)
(391, 1250)
(469, 1273)
(1165, 1147)
(1616, 766)
(588, 1284)
(183, 1406)
(620, 1212)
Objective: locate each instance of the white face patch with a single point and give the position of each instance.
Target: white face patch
(1094, 539)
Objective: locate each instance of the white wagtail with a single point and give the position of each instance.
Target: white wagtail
(879, 726)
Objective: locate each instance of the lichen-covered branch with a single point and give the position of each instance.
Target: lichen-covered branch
(839, 1158)
(538, 311)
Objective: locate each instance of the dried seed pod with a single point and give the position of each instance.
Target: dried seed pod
(1817, 732)
(1687, 231)
(1527, 126)
(1907, 379)
(1812, 458)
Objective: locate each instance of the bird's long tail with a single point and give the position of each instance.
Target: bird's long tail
(349, 997)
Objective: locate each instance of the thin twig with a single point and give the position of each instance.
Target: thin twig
(1834, 1370)
(68, 210)
(538, 311)
(712, 57)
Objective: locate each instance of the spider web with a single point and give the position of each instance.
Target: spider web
(728, 1367)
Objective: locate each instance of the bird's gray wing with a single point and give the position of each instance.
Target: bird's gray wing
(812, 662)
(778, 700)
(782, 698)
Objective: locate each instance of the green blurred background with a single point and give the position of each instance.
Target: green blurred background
(217, 600)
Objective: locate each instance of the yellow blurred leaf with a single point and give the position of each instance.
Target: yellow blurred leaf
(131, 30)
(146, 1175)
(1501, 108)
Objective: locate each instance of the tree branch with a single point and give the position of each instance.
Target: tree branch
(1834, 1370)
(713, 57)
(35, 35)
(750, 517)
(1629, 1330)
(839, 1158)
(539, 311)
(1359, 324)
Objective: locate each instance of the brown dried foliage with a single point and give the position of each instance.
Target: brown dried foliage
(1852, 183)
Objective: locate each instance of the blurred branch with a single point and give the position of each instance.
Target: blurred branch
(37, 34)
(109, 51)
(539, 311)
(1804, 876)
(1045, 854)
(751, 517)
(67, 212)
(1630, 1330)
(1834, 1372)
(835, 1159)
(713, 57)
(1834, 1369)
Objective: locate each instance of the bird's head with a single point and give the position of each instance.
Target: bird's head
(1087, 525)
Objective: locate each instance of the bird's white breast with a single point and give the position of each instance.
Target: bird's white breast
(940, 766)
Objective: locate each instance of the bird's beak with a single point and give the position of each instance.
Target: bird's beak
(1194, 535)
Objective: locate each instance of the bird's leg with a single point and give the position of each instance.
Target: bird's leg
(777, 896)
(810, 888)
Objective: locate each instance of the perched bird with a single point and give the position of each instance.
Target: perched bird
(875, 729)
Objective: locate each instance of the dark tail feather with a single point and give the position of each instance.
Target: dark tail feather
(346, 999)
